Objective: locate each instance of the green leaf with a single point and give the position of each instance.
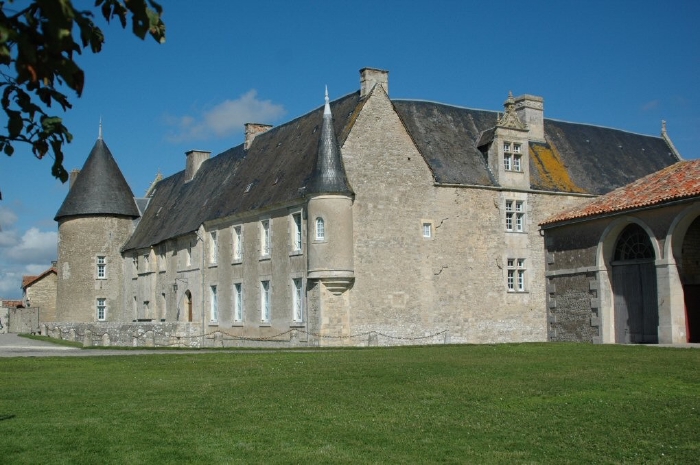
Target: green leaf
(14, 124)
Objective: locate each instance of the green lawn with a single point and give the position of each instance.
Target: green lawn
(528, 403)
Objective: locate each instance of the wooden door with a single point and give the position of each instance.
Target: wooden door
(636, 306)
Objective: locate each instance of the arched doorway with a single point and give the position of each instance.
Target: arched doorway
(634, 288)
(188, 305)
(690, 277)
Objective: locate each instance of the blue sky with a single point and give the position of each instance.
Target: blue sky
(621, 64)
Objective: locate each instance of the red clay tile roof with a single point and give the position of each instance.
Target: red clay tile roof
(29, 280)
(12, 303)
(678, 181)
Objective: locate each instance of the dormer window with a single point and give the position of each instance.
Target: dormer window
(512, 157)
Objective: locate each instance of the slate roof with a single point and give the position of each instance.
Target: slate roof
(281, 164)
(99, 189)
(576, 158)
(278, 167)
(29, 280)
(678, 181)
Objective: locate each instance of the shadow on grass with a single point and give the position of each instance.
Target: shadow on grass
(6, 417)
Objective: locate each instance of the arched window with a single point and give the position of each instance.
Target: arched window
(633, 244)
(320, 229)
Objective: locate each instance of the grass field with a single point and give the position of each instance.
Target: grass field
(528, 403)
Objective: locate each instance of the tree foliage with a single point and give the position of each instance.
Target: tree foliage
(39, 41)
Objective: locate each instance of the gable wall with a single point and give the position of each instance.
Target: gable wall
(451, 287)
(42, 294)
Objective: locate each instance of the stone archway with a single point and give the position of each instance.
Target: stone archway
(634, 286)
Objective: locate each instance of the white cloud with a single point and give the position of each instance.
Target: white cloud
(34, 247)
(7, 218)
(224, 119)
(30, 253)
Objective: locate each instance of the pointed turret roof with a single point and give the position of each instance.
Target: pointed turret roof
(100, 188)
(329, 176)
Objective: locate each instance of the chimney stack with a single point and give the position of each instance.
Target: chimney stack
(369, 77)
(252, 130)
(530, 110)
(195, 158)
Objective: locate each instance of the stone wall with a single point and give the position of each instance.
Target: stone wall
(410, 289)
(20, 320)
(43, 294)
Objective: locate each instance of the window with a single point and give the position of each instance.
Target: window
(509, 215)
(265, 238)
(162, 250)
(297, 300)
(265, 301)
(213, 248)
(101, 309)
(146, 266)
(427, 230)
(101, 267)
(135, 262)
(238, 302)
(320, 229)
(512, 158)
(519, 212)
(237, 243)
(188, 255)
(296, 232)
(214, 311)
(515, 215)
(516, 275)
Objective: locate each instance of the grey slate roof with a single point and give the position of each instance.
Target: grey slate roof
(576, 158)
(99, 189)
(329, 176)
(281, 164)
(279, 167)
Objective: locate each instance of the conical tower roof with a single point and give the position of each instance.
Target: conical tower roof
(99, 189)
(329, 176)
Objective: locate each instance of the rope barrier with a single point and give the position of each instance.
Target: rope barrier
(225, 336)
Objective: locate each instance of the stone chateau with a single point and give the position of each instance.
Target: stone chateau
(367, 221)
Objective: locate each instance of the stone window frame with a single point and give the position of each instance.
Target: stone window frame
(237, 243)
(296, 231)
(101, 264)
(213, 304)
(297, 288)
(265, 301)
(515, 280)
(514, 215)
(238, 303)
(101, 306)
(265, 238)
(512, 156)
(162, 256)
(320, 229)
(427, 230)
(213, 248)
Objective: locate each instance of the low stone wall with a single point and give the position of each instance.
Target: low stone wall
(144, 334)
(19, 320)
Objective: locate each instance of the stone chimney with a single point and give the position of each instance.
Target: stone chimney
(195, 158)
(252, 130)
(530, 110)
(72, 177)
(369, 77)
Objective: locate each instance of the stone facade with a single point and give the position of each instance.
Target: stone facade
(398, 256)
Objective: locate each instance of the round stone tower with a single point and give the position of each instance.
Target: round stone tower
(94, 222)
(330, 239)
